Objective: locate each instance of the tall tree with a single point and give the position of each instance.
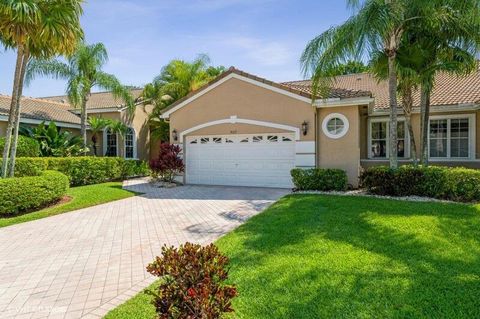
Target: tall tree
(376, 26)
(448, 46)
(83, 72)
(409, 58)
(176, 80)
(42, 29)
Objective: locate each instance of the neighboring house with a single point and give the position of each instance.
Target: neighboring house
(57, 109)
(244, 130)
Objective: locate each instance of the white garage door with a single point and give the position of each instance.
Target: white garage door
(241, 160)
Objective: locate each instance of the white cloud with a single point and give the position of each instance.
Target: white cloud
(267, 53)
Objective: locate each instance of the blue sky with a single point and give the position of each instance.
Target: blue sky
(263, 37)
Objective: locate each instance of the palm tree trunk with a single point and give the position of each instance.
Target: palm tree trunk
(407, 110)
(392, 91)
(425, 116)
(413, 144)
(12, 115)
(94, 143)
(83, 120)
(18, 107)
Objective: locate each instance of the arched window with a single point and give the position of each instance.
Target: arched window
(130, 145)
(110, 143)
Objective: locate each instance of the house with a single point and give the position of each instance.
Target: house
(244, 130)
(135, 144)
(247, 131)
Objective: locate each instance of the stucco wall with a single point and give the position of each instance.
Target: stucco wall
(246, 101)
(342, 153)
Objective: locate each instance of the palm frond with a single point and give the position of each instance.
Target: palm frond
(53, 68)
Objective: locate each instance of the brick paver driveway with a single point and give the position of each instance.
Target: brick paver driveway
(84, 263)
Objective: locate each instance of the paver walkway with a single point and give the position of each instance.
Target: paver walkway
(84, 263)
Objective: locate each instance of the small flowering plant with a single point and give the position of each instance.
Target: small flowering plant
(193, 283)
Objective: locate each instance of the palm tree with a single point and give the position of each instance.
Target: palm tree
(96, 124)
(449, 47)
(376, 26)
(83, 72)
(119, 128)
(408, 59)
(41, 29)
(176, 80)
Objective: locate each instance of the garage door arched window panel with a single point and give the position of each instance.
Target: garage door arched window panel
(235, 120)
(130, 144)
(335, 125)
(110, 145)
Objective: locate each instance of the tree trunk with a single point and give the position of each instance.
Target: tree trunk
(94, 143)
(12, 115)
(83, 120)
(424, 120)
(392, 91)
(413, 144)
(18, 106)
(407, 110)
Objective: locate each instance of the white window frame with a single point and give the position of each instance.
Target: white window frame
(346, 125)
(471, 136)
(380, 120)
(104, 142)
(135, 156)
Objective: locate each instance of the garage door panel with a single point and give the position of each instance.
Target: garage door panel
(246, 160)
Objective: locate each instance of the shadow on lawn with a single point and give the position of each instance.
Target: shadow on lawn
(365, 258)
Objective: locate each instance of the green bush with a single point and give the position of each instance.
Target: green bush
(26, 146)
(459, 184)
(20, 194)
(83, 170)
(319, 179)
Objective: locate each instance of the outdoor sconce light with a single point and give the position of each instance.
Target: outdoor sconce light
(304, 127)
(175, 135)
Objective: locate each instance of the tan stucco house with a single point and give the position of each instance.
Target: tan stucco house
(134, 145)
(244, 130)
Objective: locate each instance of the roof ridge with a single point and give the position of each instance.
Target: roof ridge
(336, 76)
(102, 92)
(39, 100)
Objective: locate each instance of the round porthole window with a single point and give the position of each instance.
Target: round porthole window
(335, 125)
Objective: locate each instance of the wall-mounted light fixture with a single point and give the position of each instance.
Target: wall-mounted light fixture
(304, 127)
(175, 135)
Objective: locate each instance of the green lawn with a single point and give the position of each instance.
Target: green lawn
(315, 256)
(83, 196)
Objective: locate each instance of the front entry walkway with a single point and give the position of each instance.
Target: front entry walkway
(84, 263)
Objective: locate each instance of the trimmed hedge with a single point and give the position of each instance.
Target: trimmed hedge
(319, 179)
(458, 183)
(83, 170)
(26, 146)
(21, 194)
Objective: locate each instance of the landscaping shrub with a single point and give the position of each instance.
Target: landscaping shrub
(26, 147)
(193, 284)
(319, 179)
(460, 184)
(168, 164)
(83, 170)
(135, 168)
(20, 194)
